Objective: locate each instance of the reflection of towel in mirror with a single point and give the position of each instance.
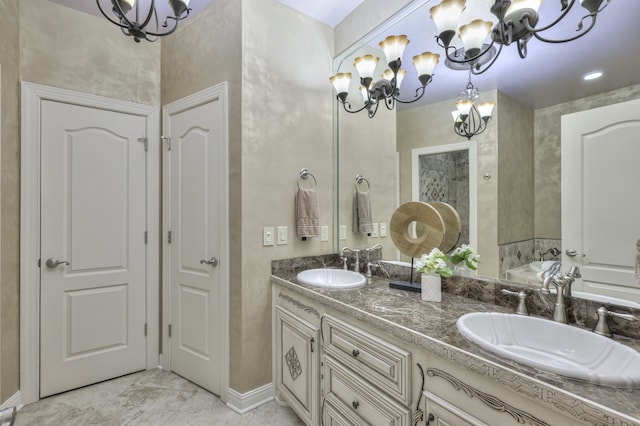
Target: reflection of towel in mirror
(307, 213)
(638, 260)
(362, 223)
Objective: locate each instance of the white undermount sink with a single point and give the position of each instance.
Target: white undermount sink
(331, 278)
(553, 347)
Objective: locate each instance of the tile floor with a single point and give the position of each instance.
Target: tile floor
(153, 397)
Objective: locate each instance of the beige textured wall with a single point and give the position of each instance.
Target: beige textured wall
(547, 127)
(10, 201)
(515, 186)
(287, 121)
(431, 125)
(214, 37)
(62, 47)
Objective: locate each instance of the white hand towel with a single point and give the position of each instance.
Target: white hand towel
(362, 217)
(307, 213)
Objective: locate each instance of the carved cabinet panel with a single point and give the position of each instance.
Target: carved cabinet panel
(297, 363)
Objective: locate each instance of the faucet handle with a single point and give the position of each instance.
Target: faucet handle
(602, 326)
(522, 297)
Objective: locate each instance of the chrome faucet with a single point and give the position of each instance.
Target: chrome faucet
(367, 252)
(554, 252)
(602, 327)
(559, 309)
(356, 252)
(522, 297)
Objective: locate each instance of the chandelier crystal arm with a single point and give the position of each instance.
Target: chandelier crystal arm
(347, 107)
(419, 93)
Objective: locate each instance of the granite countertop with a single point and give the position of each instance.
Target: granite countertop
(432, 325)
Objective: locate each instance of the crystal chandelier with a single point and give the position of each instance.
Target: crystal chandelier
(126, 15)
(517, 23)
(387, 89)
(468, 120)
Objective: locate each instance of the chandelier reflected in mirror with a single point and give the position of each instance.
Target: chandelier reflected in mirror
(469, 121)
(127, 14)
(386, 90)
(517, 23)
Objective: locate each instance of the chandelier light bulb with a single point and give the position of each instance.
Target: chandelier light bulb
(464, 107)
(341, 83)
(473, 36)
(485, 109)
(393, 48)
(366, 65)
(425, 63)
(518, 6)
(446, 15)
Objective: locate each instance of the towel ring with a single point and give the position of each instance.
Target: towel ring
(360, 179)
(304, 174)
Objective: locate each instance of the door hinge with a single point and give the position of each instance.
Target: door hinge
(145, 329)
(146, 143)
(39, 264)
(146, 236)
(169, 237)
(167, 139)
(169, 330)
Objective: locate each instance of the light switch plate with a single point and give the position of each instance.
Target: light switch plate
(376, 232)
(267, 236)
(343, 232)
(283, 235)
(324, 233)
(383, 229)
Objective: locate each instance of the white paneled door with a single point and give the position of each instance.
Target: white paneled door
(600, 198)
(93, 254)
(195, 173)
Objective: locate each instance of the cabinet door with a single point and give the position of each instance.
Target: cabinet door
(297, 364)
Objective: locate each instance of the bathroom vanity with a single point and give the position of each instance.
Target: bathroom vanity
(375, 355)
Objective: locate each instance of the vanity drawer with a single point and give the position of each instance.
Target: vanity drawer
(353, 396)
(380, 362)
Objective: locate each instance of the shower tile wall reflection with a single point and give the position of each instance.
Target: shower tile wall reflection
(445, 178)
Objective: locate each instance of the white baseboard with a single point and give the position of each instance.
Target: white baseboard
(14, 401)
(244, 402)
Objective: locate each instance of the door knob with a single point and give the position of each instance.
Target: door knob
(52, 262)
(574, 253)
(213, 261)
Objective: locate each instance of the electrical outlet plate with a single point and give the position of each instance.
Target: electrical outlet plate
(267, 236)
(375, 233)
(324, 233)
(343, 232)
(283, 235)
(383, 229)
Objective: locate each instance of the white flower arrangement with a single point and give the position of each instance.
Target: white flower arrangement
(435, 261)
(466, 254)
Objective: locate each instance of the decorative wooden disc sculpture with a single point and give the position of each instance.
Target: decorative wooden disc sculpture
(452, 226)
(429, 228)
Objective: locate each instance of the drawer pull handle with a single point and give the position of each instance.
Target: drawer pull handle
(355, 353)
(355, 405)
(430, 419)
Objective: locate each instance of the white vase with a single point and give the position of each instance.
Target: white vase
(463, 270)
(431, 287)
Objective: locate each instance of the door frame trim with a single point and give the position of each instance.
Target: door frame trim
(219, 91)
(32, 96)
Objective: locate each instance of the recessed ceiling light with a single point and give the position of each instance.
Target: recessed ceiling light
(592, 75)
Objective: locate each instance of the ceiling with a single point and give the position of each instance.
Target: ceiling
(550, 74)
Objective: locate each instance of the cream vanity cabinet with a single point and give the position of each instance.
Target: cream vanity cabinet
(297, 356)
(345, 376)
(335, 370)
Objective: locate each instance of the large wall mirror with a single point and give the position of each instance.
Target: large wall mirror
(506, 182)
